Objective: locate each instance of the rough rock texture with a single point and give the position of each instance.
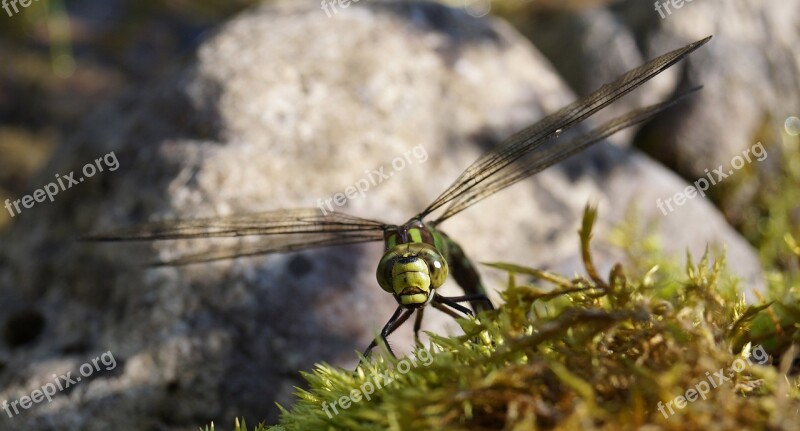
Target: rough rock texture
(750, 70)
(284, 107)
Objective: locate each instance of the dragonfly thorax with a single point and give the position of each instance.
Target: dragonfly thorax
(411, 272)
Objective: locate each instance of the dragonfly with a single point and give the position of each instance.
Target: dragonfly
(418, 254)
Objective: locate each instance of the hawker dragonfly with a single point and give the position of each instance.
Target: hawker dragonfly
(418, 254)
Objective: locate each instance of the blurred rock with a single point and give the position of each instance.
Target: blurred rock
(283, 107)
(749, 70)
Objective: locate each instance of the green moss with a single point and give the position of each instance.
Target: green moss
(590, 352)
(238, 426)
(764, 202)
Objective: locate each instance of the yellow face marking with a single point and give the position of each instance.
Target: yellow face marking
(419, 298)
(410, 281)
(417, 265)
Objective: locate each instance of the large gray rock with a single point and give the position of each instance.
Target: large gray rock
(284, 107)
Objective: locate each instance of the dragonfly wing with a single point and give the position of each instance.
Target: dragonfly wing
(289, 221)
(280, 243)
(527, 140)
(552, 154)
(273, 232)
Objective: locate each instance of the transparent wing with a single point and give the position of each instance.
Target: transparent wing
(277, 231)
(289, 221)
(281, 243)
(527, 140)
(559, 150)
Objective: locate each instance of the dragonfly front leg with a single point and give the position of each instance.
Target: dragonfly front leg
(442, 303)
(418, 325)
(398, 318)
(475, 297)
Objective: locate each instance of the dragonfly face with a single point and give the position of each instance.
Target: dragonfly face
(413, 265)
(411, 272)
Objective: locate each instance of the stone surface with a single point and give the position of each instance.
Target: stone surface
(283, 107)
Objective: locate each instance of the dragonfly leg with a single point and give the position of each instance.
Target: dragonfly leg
(441, 303)
(473, 298)
(418, 325)
(398, 318)
(443, 308)
(445, 304)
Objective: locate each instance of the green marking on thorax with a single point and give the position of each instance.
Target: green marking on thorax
(415, 234)
(391, 241)
(440, 242)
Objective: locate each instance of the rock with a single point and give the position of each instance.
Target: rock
(750, 78)
(749, 70)
(285, 107)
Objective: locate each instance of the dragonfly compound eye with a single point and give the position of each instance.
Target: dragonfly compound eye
(411, 271)
(437, 266)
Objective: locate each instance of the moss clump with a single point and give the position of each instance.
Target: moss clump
(590, 352)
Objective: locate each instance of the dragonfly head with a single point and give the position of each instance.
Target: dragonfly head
(411, 272)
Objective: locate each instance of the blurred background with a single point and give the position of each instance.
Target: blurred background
(62, 62)
(62, 59)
